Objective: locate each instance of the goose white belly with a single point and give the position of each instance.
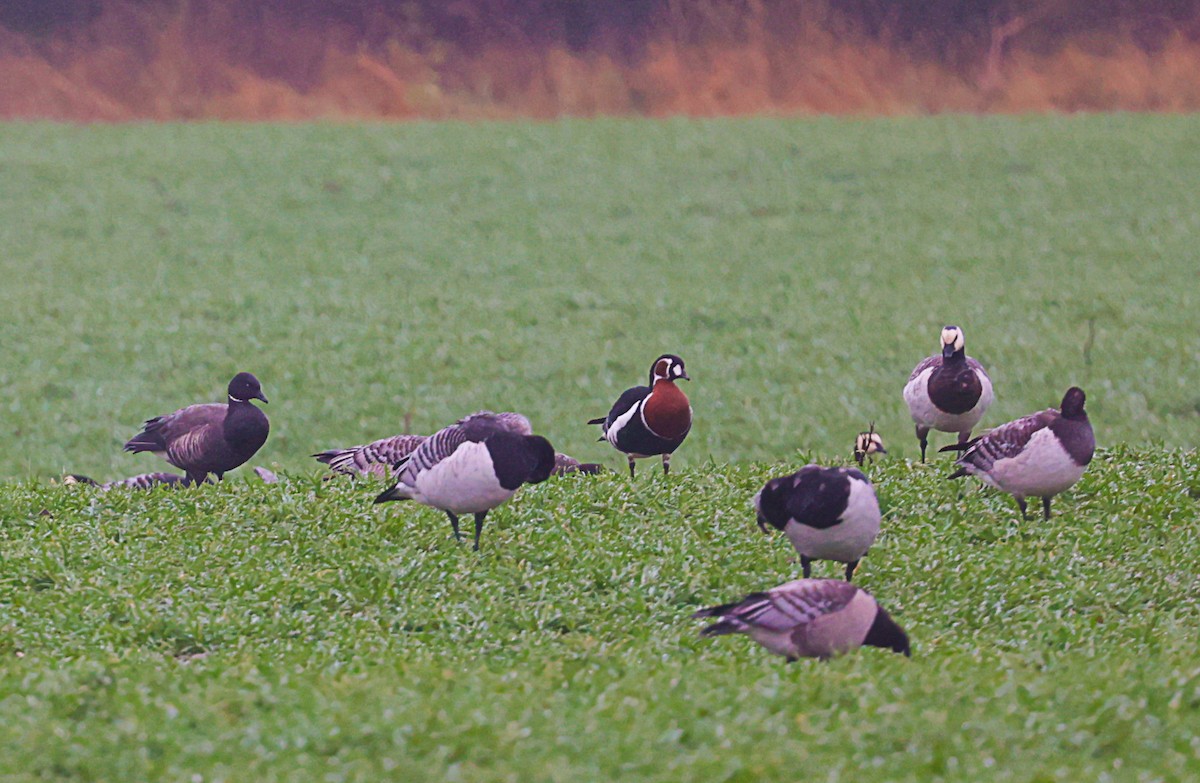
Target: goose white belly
(1043, 468)
(849, 539)
(463, 483)
(926, 414)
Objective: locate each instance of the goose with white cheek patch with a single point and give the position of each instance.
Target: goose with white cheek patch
(810, 618)
(649, 421)
(472, 467)
(867, 445)
(827, 514)
(948, 392)
(1039, 455)
(209, 438)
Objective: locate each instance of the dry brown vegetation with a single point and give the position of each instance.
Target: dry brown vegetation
(130, 60)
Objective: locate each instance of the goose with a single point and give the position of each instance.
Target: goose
(827, 514)
(948, 392)
(209, 438)
(1039, 455)
(650, 420)
(809, 618)
(472, 467)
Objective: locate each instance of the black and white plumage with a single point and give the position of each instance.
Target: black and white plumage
(809, 618)
(377, 457)
(867, 445)
(209, 438)
(371, 459)
(1039, 455)
(827, 514)
(473, 466)
(647, 421)
(949, 392)
(140, 481)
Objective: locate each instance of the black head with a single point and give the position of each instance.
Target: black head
(542, 456)
(243, 387)
(952, 341)
(887, 634)
(1072, 403)
(769, 503)
(668, 367)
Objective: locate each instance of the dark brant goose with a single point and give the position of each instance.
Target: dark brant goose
(827, 514)
(948, 393)
(1038, 455)
(868, 444)
(809, 618)
(209, 438)
(473, 466)
(140, 481)
(651, 420)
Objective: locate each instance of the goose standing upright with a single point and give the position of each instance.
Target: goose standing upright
(209, 438)
(1039, 455)
(473, 466)
(948, 392)
(650, 420)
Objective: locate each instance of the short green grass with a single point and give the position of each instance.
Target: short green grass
(801, 268)
(297, 632)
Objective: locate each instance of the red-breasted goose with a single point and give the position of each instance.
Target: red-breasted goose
(647, 421)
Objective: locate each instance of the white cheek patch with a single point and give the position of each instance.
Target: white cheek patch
(677, 371)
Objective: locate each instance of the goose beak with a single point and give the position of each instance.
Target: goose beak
(685, 376)
(947, 350)
(261, 396)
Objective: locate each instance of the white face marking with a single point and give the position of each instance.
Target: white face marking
(234, 399)
(952, 335)
(677, 370)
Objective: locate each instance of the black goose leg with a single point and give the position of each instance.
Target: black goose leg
(195, 478)
(850, 568)
(454, 524)
(220, 475)
(1046, 507)
(1021, 502)
(479, 527)
(923, 436)
(631, 462)
(806, 566)
(666, 464)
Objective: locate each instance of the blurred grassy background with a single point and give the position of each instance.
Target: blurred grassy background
(800, 267)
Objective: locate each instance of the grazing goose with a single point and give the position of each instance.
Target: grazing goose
(209, 438)
(650, 420)
(473, 466)
(564, 464)
(868, 444)
(1038, 455)
(140, 481)
(827, 514)
(378, 457)
(372, 459)
(948, 393)
(809, 618)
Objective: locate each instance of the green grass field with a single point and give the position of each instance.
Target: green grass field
(297, 632)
